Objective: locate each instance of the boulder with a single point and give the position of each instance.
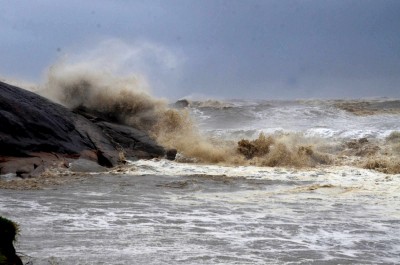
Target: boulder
(171, 154)
(84, 165)
(182, 103)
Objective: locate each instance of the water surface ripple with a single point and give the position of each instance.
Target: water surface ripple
(154, 219)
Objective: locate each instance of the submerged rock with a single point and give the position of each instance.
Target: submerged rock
(171, 154)
(182, 103)
(36, 133)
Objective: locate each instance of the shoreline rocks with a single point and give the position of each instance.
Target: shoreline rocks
(36, 133)
(8, 233)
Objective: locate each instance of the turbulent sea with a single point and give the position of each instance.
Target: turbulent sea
(157, 211)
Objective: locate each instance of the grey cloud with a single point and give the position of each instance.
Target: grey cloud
(278, 49)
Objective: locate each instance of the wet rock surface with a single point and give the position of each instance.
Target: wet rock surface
(36, 133)
(135, 143)
(8, 232)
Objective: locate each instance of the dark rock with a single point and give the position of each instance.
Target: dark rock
(95, 116)
(37, 171)
(8, 232)
(35, 132)
(134, 143)
(182, 103)
(84, 165)
(171, 154)
(30, 123)
(363, 140)
(24, 175)
(24, 170)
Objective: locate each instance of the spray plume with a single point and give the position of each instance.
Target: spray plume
(102, 85)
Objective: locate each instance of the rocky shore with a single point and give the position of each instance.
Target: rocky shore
(36, 133)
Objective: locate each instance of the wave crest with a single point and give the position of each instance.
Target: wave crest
(126, 99)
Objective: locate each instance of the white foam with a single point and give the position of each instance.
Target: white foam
(314, 215)
(360, 180)
(321, 119)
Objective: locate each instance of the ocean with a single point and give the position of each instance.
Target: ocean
(255, 182)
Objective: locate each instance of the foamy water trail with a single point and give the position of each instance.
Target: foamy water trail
(163, 212)
(343, 177)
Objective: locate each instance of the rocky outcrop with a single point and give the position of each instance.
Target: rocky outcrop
(36, 133)
(30, 123)
(8, 232)
(182, 103)
(135, 143)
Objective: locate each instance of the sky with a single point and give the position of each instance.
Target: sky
(250, 49)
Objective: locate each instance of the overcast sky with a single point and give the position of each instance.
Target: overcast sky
(210, 48)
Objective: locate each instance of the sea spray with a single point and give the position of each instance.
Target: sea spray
(175, 129)
(123, 98)
(127, 99)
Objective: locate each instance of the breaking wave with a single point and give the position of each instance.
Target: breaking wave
(127, 99)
